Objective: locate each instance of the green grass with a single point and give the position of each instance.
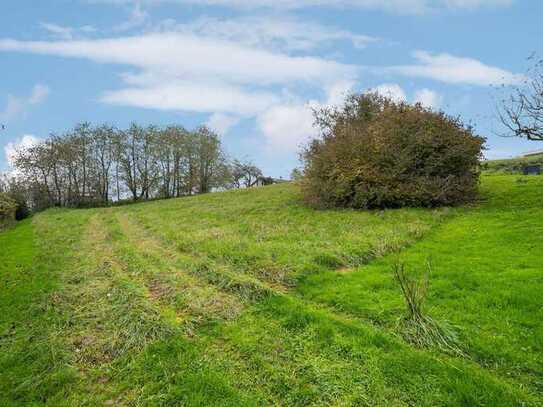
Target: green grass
(511, 165)
(250, 298)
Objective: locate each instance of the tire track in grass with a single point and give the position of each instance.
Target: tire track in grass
(199, 272)
(248, 361)
(218, 274)
(166, 277)
(312, 349)
(122, 298)
(243, 365)
(108, 324)
(110, 314)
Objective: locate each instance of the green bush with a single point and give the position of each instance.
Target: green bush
(375, 153)
(8, 207)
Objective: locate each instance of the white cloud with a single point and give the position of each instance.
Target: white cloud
(279, 33)
(88, 29)
(26, 141)
(338, 91)
(181, 71)
(137, 18)
(289, 125)
(286, 127)
(14, 107)
(64, 33)
(428, 98)
(39, 94)
(456, 70)
(222, 123)
(213, 66)
(17, 105)
(393, 6)
(184, 55)
(392, 91)
(193, 96)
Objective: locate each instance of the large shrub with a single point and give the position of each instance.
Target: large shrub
(8, 206)
(375, 153)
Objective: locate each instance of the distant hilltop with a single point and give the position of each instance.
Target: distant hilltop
(533, 153)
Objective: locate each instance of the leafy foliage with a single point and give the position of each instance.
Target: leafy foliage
(244, 174)
(92, 166)
(8, 206)
(376, 153)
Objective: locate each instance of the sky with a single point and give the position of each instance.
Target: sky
(253, 70)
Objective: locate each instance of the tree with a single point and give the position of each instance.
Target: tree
(87, 165)
(244, 174)
(129, 153)
(8, 207)
(211, 162)
(4, 182)
(103, 151)
(296, 174)
(522, 111)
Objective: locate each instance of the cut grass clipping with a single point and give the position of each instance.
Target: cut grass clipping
(416, 326)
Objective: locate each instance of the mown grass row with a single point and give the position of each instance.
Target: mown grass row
(276, 367)
(270, 235)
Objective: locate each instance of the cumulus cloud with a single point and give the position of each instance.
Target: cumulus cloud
(17, 106)
(392, 91)
(337, 91)
(286, 127)
(222, 123)
(428, 98)
(39, 94)
(456, 70)
(289, 125)
(25, 141)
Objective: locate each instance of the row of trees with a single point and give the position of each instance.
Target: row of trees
(96, 165)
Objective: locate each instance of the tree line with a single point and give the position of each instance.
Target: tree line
(97, 165)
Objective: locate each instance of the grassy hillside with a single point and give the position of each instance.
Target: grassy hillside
(511, 165)
(249, 298)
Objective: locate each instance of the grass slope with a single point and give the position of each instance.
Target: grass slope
(249, 298)
(511, 165)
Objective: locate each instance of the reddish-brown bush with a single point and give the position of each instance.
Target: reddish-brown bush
(374, 153)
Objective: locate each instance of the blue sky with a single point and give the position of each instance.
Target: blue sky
(252, 69)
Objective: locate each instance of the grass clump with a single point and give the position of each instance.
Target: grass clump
(417, 327)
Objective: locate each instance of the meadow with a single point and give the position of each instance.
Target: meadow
(248, 297)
